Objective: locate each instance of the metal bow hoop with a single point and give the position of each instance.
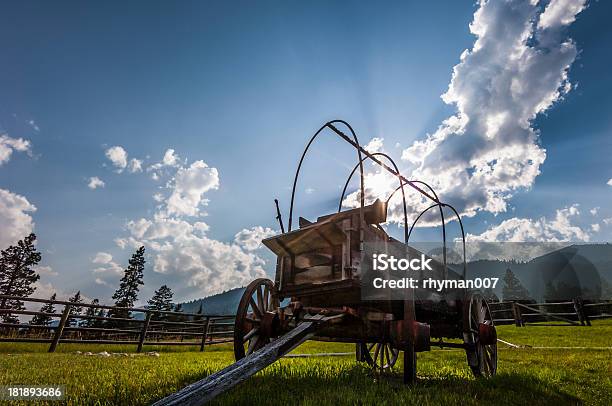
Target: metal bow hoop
(354, 142)
(443, 223)
(441, 205)
(401, 186)
(394, 171)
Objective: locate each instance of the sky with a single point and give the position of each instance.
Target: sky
(175, 125)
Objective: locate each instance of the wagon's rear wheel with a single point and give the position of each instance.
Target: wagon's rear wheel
(255, 317)
(481, 339)
(379, 355)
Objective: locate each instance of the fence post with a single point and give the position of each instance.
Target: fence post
(578, 311)
(518, 317)
(583, 312)
(204, 333)
(60, 328)
(143, 332)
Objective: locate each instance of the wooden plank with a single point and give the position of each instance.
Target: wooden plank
(548, 314)
(60, 328)
(143, 333)
(210, 387)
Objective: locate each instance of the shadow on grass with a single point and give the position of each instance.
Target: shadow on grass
(358, 385)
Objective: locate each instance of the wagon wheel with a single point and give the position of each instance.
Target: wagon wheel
(379, 355)
(481, 350)
(254, 317)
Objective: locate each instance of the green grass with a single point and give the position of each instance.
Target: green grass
(525, 376)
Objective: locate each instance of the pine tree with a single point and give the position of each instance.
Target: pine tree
(91, 312)
(127, 293)
(75, 309)
(41, 319)
(513, 288)
(161, 301)
(17, 275)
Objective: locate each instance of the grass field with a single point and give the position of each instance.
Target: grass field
(525, 376)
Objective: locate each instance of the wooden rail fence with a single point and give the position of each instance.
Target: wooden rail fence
(154, 328)
(569, 313)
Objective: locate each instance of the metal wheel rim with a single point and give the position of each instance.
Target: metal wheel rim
(259, 297)
(384, 356)
(479, 312)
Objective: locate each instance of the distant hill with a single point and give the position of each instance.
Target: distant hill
(576, 270)
(584, 268)
(225, 303)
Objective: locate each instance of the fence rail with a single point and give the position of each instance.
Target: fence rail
(153, 328)
(576, 312)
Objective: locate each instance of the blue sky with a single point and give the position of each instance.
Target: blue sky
(241, 86)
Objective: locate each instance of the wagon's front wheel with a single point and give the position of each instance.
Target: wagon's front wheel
(481, 337)
(255, 317)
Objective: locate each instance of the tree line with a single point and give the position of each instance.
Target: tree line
(18, 277)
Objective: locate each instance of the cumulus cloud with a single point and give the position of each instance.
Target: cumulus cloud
(107, 271)
(609, 183)
(595, 227)
(188, 187)
(560, 228)
(8, 145)
(480, 157)
(607, 221)
(594, 211)
(250, 238)
(375, 145)
(15, 220)
(118, 157)
(95, 182)
(102, 258)
(178, 240)
(45, 270)
(135, 165)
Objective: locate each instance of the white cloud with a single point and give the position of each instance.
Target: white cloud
(102, 258)
(170, 158)
(107, 272)
(118, 156)
(15, 222)
(594, 211)
(178, 243)
(8, 145)
(135, 165)
(607, 221)
(33, 124)
(609, 183)
(560, 228)
(95, 182)
(375, 145)
(488, 151)
(309, 190)
(188, 187)
(45, 270)
(595, 227)
(560, 12)
(250, 238)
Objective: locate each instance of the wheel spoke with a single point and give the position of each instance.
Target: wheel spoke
(250, 334)
(376, 353)
(260, 302)
(255, 308)
(388, 363)
(267, 301)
